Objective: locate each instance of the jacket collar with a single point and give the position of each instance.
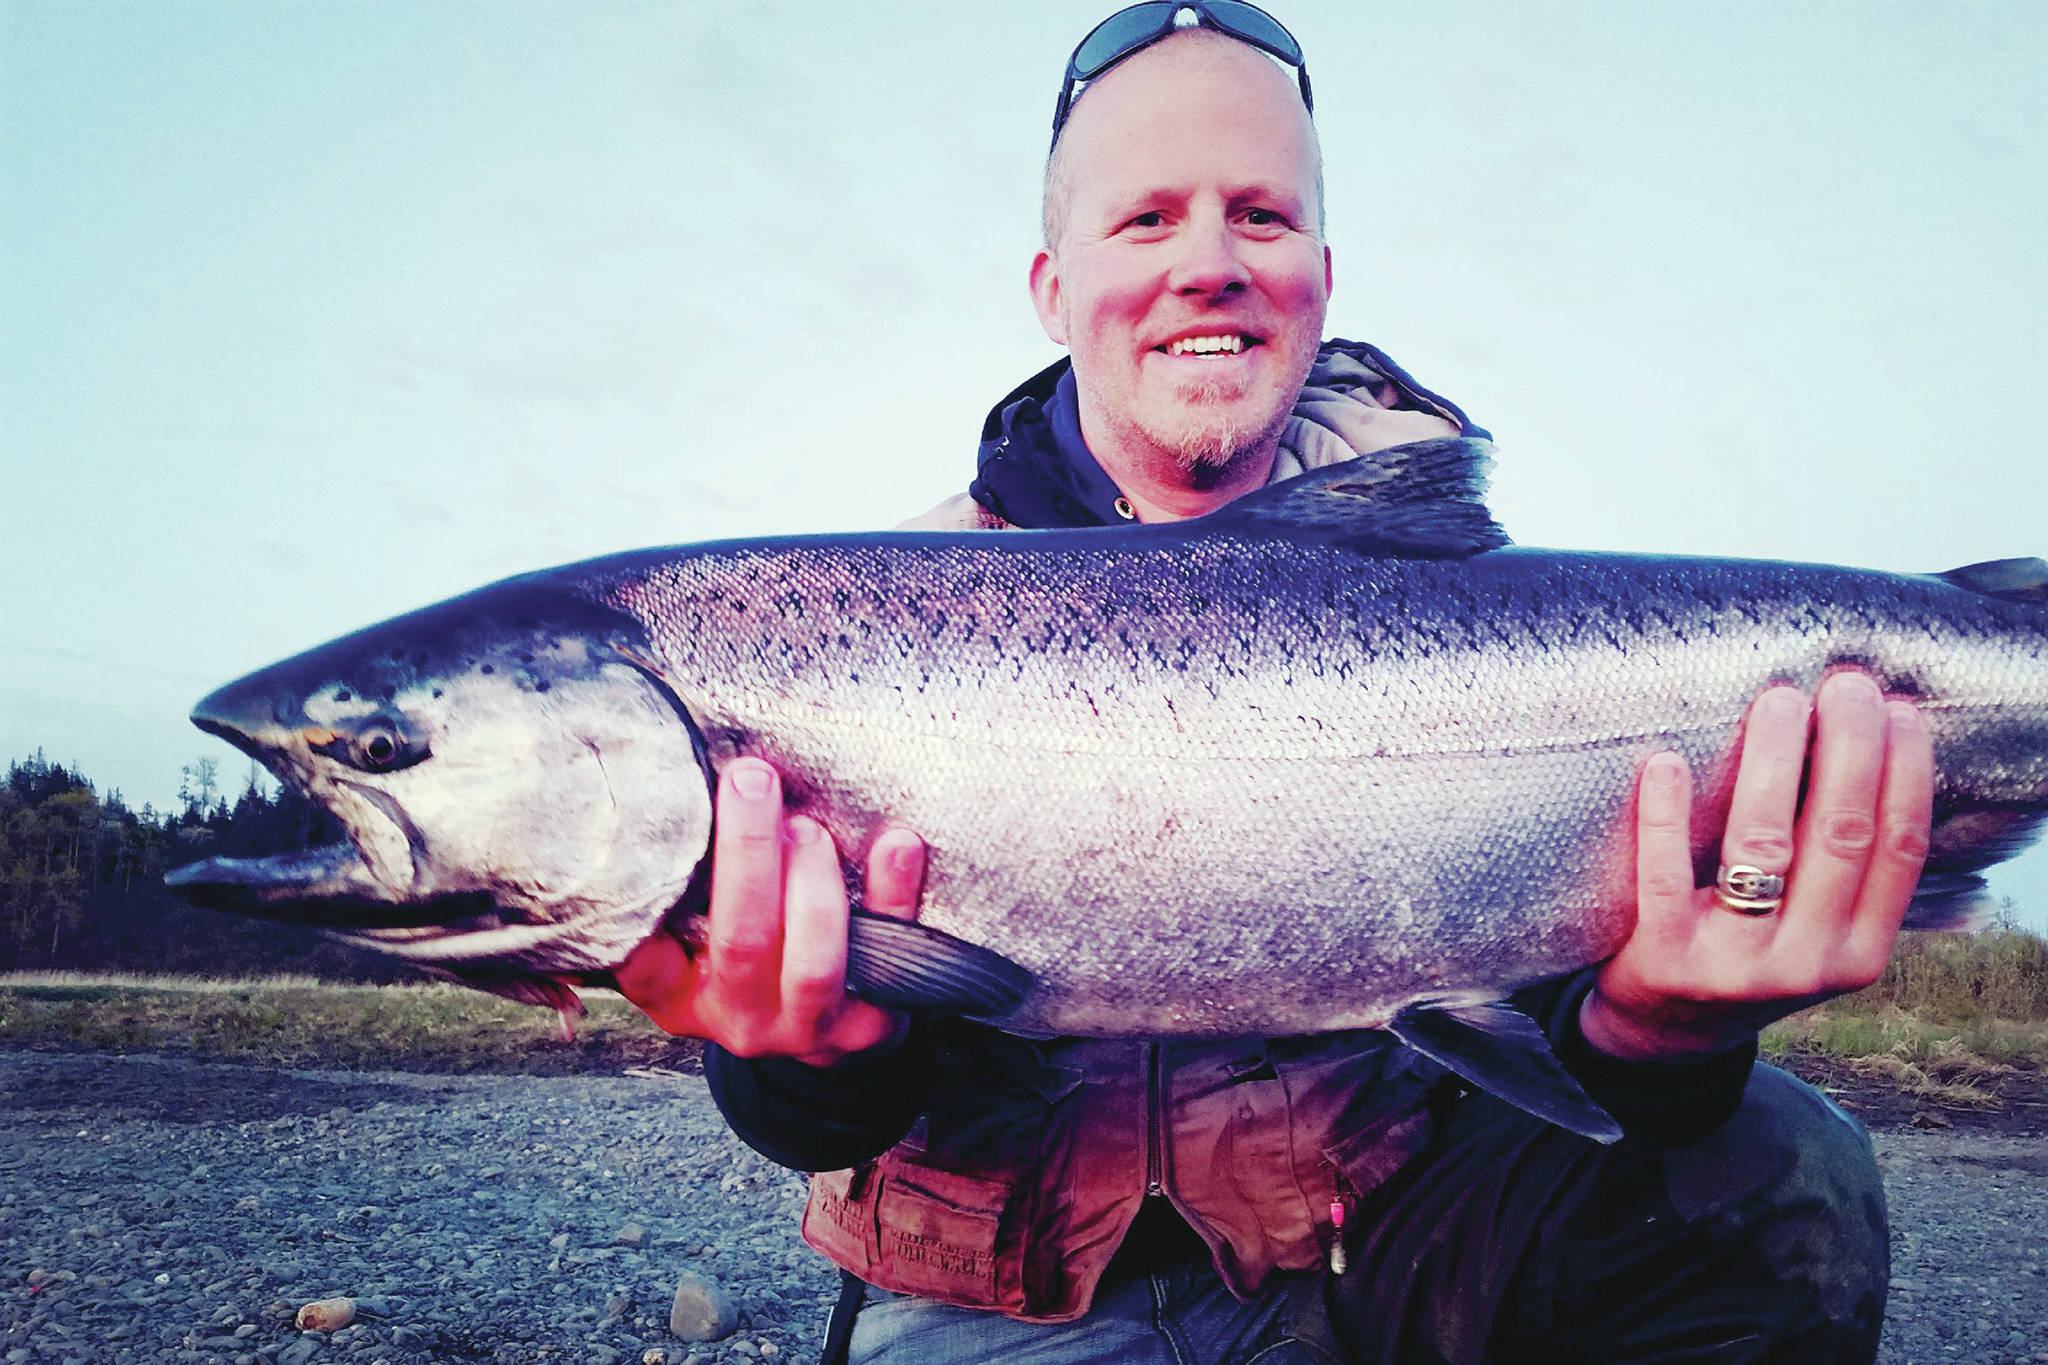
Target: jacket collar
(1035, 470)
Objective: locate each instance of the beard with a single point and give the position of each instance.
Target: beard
(1210, 429)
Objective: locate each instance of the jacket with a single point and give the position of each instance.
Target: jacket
(1009, 1173)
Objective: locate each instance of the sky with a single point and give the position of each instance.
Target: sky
(311, 313)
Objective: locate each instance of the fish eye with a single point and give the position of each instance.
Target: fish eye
(379, 748)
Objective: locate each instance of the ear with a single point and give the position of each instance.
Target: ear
(1045, 296)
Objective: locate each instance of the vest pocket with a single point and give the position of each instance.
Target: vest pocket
(839, 1220)
(937, 1234)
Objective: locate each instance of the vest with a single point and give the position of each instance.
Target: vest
(1017, 1187)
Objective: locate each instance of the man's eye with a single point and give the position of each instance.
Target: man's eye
(1264, 218)
(1152, 219)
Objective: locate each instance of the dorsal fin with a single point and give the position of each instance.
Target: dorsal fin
(1424, 500)
(2016, 580)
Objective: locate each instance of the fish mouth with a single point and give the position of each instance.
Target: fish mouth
(354, 883)
(330, 887)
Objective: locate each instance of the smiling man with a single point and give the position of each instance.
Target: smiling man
(1185, 271)
(997, 1198)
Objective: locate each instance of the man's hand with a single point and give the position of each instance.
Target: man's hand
(772, 982)
(1697, 975)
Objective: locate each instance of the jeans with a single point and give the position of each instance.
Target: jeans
(1180, 1315)
(1510, 1241)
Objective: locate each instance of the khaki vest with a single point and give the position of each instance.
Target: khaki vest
(1017, 1187)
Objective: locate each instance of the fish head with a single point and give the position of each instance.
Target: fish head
(522, 793)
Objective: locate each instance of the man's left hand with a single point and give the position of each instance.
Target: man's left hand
(1696, 975)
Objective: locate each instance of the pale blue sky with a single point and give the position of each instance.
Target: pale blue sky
(312, 313)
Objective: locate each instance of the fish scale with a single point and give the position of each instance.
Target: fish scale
(1319, 760)
(1341, 733)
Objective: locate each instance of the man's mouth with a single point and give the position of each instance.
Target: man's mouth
(1210, 344)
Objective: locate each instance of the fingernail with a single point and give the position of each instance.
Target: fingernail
(804, 830)
(752, 780)
(1853, 684)
(1904, 716)
(904, 856)
(1783, 703)
(1664, 771)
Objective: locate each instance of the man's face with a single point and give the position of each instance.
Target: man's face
(1190, 279)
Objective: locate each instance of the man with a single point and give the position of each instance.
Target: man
(997, 1198)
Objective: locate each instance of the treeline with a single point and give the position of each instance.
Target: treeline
(81, 879)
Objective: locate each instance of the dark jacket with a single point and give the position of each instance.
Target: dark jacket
(1009, 1173)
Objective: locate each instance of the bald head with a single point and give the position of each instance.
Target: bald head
(1211, 59)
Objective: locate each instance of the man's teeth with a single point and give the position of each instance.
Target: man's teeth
(1216, 345)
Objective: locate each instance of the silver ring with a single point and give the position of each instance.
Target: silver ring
(1749, 890)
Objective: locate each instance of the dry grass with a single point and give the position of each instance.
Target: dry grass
(103, 981)
(1951, 1014)
(292, 1021)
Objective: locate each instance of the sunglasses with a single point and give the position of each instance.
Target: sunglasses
(1138, 27)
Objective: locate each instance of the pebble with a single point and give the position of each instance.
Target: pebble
(702, 1310)
(326, 1315)
(299, 1206)
(538, 1276)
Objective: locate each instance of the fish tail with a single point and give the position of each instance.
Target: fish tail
(1952, 895)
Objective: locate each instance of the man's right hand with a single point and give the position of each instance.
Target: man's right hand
(772, 982)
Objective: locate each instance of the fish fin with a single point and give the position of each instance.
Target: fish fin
(903, 965)
(1424, 500)
(1952, 897)
(526, 990)
(1502, 1051)
(2015, 580)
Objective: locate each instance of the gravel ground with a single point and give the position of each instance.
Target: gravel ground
(162, 1209)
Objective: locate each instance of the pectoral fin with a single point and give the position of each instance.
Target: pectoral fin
(905, 966)
(1503, 1052)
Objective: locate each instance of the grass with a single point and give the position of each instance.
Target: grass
(1951, 1015)
(297, 1021)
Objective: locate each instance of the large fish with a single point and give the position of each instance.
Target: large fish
(1330, 757)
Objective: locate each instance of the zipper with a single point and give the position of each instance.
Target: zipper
(1342, 1197)
(1154, 1162)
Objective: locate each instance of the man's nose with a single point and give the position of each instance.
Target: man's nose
(1208, 262)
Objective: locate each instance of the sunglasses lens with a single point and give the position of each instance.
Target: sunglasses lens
(1256, 26)
(1141, 25)
(1118, 35)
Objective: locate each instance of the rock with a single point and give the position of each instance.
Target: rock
(702, 1311)
(326, 1315)
(654, 1355)
(300, 1351)
(631, 1235)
